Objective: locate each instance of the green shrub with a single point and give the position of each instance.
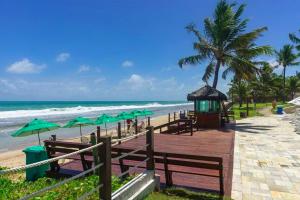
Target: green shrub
(72, 190)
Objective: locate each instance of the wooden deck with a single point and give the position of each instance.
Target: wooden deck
(217, 143)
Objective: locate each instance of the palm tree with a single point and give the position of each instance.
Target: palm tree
(286, 57)
(295, 40)
(223, 40)
(293, 86)
(239, 88)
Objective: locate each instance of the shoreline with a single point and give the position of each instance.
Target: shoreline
(15, 158)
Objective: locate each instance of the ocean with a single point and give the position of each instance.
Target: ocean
(14, 114)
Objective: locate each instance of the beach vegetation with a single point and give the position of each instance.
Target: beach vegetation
(285, 58)
(295, 39)
(225, 43)
(17, 188)
(266, 86)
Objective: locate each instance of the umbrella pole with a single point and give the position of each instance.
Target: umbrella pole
(80, 133)
(126, 131)
(39, 138)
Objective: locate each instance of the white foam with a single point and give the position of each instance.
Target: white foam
(78, 110)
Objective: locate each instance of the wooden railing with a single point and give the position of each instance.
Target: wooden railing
(177, 126)
(102, 155)
(185, 162)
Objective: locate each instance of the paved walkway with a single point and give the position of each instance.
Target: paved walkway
(266, 160)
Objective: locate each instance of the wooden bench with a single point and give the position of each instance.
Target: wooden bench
(171, 163)
(59, 148)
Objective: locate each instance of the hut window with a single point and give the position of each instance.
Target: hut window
(207, 106)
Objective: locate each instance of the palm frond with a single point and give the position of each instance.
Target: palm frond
(294, 38)
(245, 39)
(227, 71)
(192, 60)
(208, 72)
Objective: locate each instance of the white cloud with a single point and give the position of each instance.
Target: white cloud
(83, 68)
(137, 82)
(25, 66)
(62, 57)
(127, 63)
(273, 63)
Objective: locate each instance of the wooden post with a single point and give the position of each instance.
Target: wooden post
(95, 152)
(122, 167)
(53, 138)
(174, 116)
(105, 172)
(169, 120)
(119, 132)
(136, 126)
(221, 179)
(191, 126)
(148, 121)
(98, 134)
(178, 130)
(150, 148)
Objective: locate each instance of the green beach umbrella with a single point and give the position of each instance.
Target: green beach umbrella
(124, 116)
(147, 112)
(79, 122)
(137, 113)
(104, 119)
(36, 126)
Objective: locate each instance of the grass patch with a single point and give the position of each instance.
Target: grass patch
(15, 189)
(253, 111)
(182, 194)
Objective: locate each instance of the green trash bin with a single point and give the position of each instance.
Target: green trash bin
(35, 154)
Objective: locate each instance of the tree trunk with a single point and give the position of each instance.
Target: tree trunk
(216, 77)
(240, 102)
(283, 95)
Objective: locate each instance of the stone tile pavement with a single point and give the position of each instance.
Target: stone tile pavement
(266, 160)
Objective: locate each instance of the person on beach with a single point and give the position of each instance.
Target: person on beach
(129, 122)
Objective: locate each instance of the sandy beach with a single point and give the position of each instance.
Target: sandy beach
(17, 157)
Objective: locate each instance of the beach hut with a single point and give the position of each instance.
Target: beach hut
(207, 106)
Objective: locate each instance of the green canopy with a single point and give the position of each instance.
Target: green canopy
(125, 115)
(36, 126)
(79, 121)
(137, 113)
(147, 112)
(104, 119)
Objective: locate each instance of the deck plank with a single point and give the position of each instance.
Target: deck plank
(218, 143)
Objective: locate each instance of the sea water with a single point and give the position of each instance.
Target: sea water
(14, 114)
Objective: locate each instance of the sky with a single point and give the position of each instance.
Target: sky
(116, 50)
